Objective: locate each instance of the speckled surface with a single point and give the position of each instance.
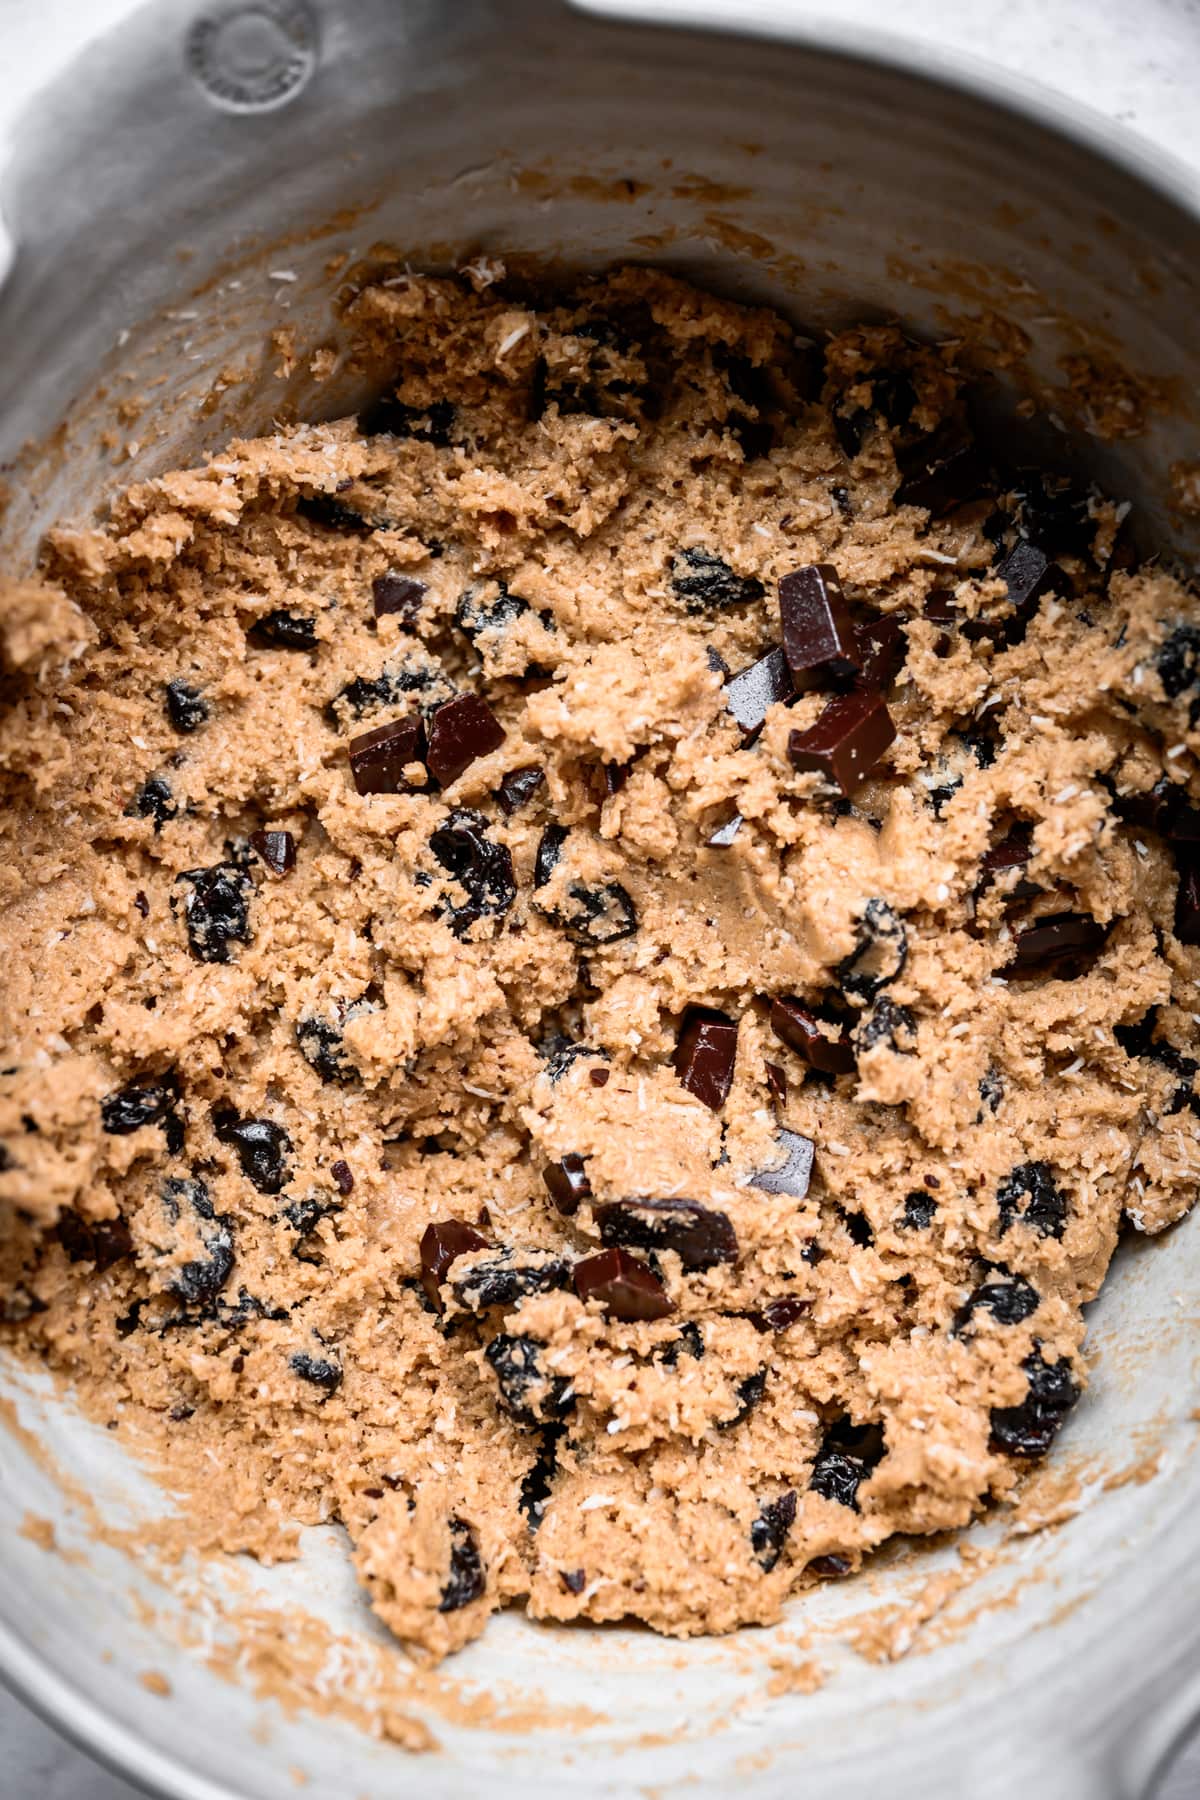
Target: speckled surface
(1087, 48)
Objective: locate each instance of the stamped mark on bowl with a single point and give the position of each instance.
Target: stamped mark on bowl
(253, 58)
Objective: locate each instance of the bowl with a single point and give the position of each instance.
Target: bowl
(200, 176)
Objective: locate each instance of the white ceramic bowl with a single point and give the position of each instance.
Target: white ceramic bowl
(148, 194)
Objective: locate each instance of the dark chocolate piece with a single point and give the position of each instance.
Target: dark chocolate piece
(700, 1236)
(1025, 571)
(394, 593)
(1031, 1196)
(379, 758)
(818, 632)
(1060, 946)
(795, 1174)
(724, 835)
(769, 1532)
(847, 1456)
(567, 1179)
(283, 630)
(276, 848)
(847, 740)
(187, 709)
(440, 1244)
(705, 1051)
(830, 1567)
(751, 692)
(331, 513)
(1012, 852)
(389, 417)
(800, 1030)
(879, 956)
(1187, 901)
(216, 910)
(778, 1315)
(941, 472)
(776, 1083)
(263, 1148)
(466, 1580)
(1028, 1430)
(460, 731)
(598, 1077)
(623, 1285)
(703, 581)
(1163, 808)
(99, 1241)
(480, 865)
(518, 787)
(882, 648)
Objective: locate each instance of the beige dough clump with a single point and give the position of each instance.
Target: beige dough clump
(267, 1035)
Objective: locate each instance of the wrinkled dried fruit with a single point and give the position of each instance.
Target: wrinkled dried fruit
(1008, 1297)
(320, 1370)
(198, 1282)
(518, 787)
(154, 800)
(888, 1024)
(510, 1276)
(467, 1580)
(1028, 1430)
(527, 1391)
(879, 955)
(216, 910)
(703, 582)
(99, 1241)
(282, 630)
(144, 1103)
(481, 866)
(187, 709)
(769, 1532)
(847, 1456)
(263, 1148)
(1031, 1196)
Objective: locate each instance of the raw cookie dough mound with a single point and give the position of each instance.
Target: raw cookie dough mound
(595, 958)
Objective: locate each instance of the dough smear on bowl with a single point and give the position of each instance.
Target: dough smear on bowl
(594, 958)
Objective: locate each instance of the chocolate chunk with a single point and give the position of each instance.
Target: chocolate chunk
(1163, 808)
(440, 1244)
(1025, 571)
(700, 1236)
(331, 513)
(549, 853)
(263, 1148)
(320, 1370)
(482, 867)
(379, 758)
(888, 1024)
(217, 910)
(850, 427)
(518, 787)
(573, 1580)
(282, 630)
(769, 1532)
(199, 1281)
(460, 731)
(778, 1315)
(624, 1286)
(509, 1276)
(144, 1103)
(1054, 512)
(343, 1177)
(1013, 851)
(1029, 1429)
(1009, 1298)
(1187, 902)
(598, 1077)
(276, 848)
(705, 1051)
(830, 1566)
(567, 1179)
(752, 692)
(882, 648)
(1045, 1205)
(879, 955)
(400, 594)
(847, 740)
(187, 709)
(466, 1580)
(724, 835)
(748, 1392)
(795, 1173)
(322, 1046)
(991, 1090)
(99, 1241)
(704, 582)
(818, 632)
(1177, 659)
(847, 1456)
(941, 472)
(1061, 946)
(801, 1031)
(776, 1083)
(526, 1390)
(919, 1211)
(389, 417)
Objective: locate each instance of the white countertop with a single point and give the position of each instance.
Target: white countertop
(1136, 60)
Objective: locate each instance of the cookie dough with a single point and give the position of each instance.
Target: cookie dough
(595, 958)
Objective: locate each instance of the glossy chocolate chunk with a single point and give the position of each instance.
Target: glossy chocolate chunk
(1187, 901)
(705, 582)
(769, 1532)
(623, 1285)
(467, 1579)
(187, 709)
(882, 647)
(509, 1276)
(723, 836)
(941, 472)
(263, 1148)
(776, 1083)
(518, 787)
(1163, 808)
(1025, 571)
(750, 693)
(1060, 946)
(440, 1244)
(283, 630)
(779, 1315)
(460, 731)
(818, 632)
(847, 1456)
(795, 1173)
(277, 850)
(705, 1052)
(481, 866)
(801, 1031)
(1031, 1196)
(567, 1180)
(400, 594)
(379, 758)
(1028, 1430)
(830, 1567)
(879, 954)
(700, 1236)
(1012, 852)
(847, 740)
(216, 910)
